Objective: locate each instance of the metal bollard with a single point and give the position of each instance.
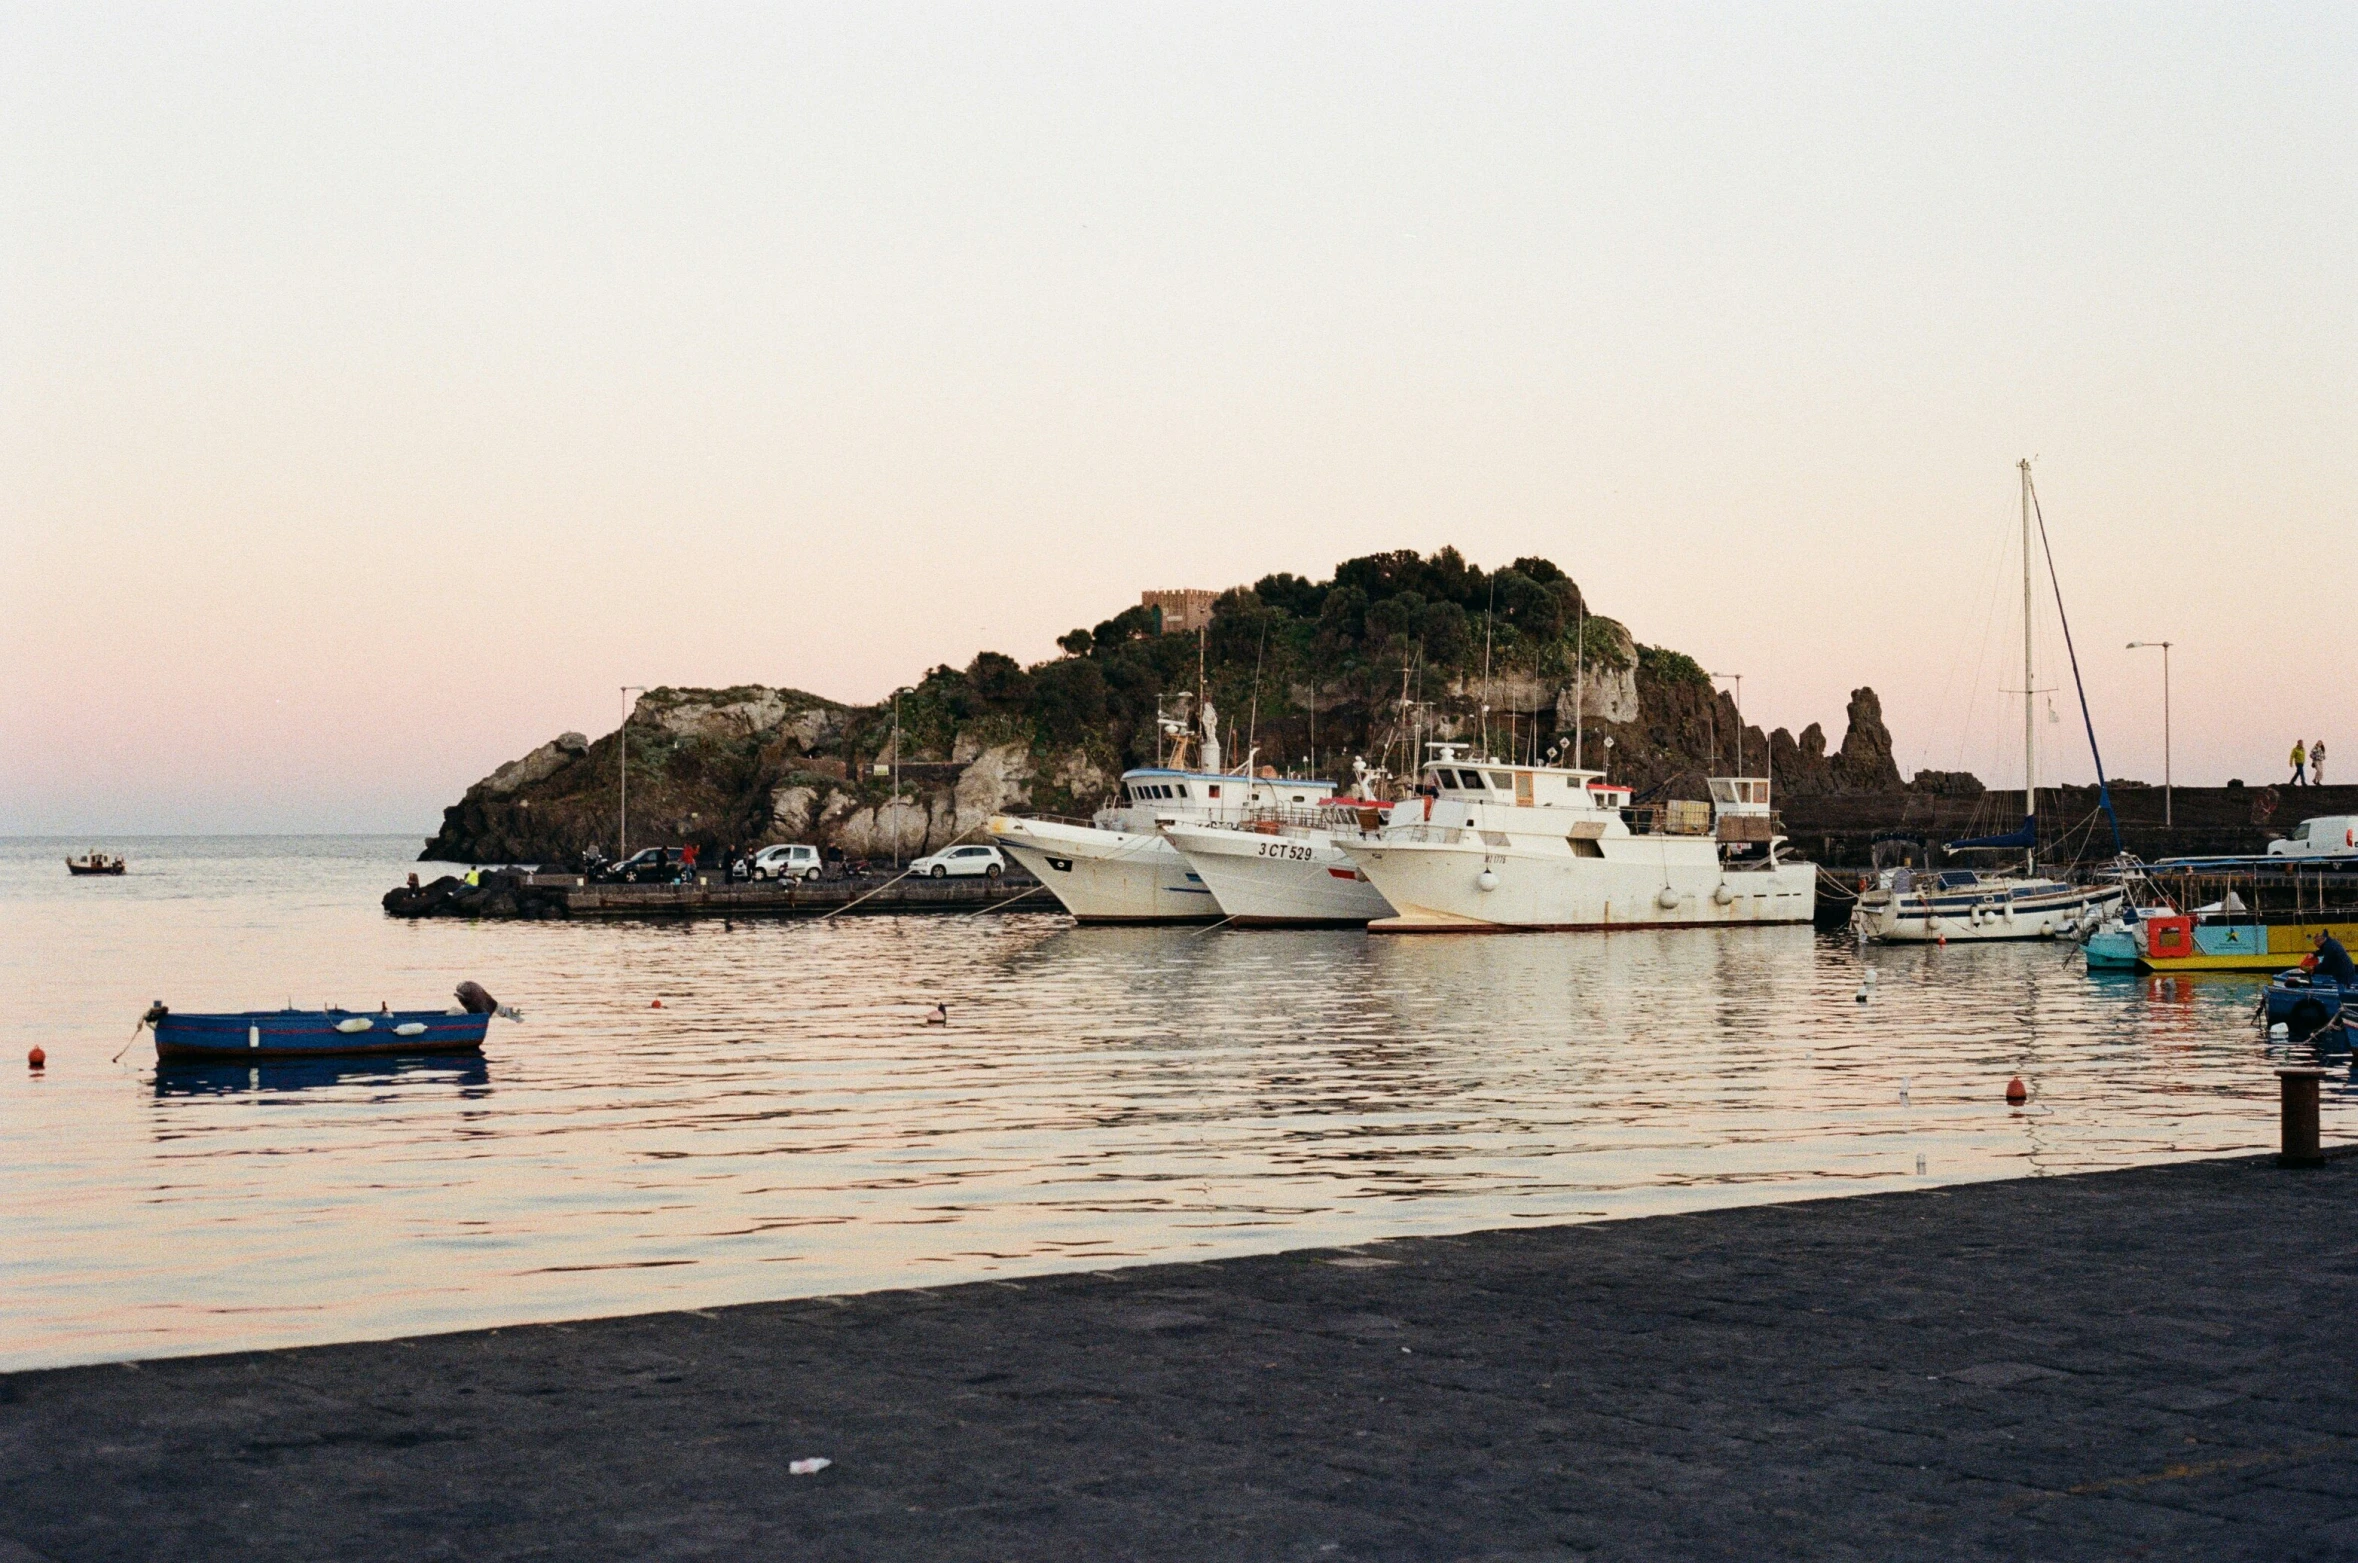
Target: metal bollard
(2299, 1118)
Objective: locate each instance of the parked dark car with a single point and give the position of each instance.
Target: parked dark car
(649, 865)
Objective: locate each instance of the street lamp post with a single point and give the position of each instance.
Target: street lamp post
(622, 770)
(2164, 647)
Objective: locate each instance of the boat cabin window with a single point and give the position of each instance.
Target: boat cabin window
(1502, 780)
(1958, 878)
(1214, 790)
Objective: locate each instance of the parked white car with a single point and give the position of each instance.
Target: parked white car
(2328, 835)
(788, 860)
(961, 861)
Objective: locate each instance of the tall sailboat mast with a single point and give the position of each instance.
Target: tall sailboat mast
(2030, 726)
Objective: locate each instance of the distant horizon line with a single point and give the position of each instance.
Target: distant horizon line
(207, 835)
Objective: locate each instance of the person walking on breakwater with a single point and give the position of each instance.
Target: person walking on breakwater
(2300, 758)
(2317, 763)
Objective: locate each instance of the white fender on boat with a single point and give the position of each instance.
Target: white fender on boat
(1723, 895)
(356, 1023)
(1486, 881)
(1667, 900)
(2046, 927)
(409, 1028)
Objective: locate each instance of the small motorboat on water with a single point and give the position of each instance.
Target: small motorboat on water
(2306, 1003)
(326, 1033)
(95, 863)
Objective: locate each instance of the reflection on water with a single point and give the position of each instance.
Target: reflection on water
(786, 1124)
(192, 1077)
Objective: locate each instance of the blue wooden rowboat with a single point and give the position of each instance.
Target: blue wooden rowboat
(2305, 1002)
(316, 1033)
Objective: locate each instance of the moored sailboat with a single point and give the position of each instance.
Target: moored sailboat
(1969, 905)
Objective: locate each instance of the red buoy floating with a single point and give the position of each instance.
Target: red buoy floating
(37, 1059)
(2015, 1094)
(658, 1004)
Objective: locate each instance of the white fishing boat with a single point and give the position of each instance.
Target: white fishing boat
(1970, 905)
(1493, 845)
(1118, 867)
(1283, 865)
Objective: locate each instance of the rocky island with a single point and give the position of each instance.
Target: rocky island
(1312, 673)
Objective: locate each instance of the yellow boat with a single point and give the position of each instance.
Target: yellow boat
(2180, 944)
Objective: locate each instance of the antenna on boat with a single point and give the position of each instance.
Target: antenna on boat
(1579, 679)
(1253, 726)
(1488, 618)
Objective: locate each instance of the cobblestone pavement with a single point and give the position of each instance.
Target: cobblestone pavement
(2155, 1363)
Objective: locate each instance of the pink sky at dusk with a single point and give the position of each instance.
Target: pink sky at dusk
(383, 386)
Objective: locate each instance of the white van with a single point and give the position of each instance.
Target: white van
(787, 860)
(2328, 835)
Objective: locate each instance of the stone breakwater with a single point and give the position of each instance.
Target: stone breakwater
(514, 894)
(2149, 1363)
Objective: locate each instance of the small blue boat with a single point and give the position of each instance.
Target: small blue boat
(321, 1033)
(2306, 1003)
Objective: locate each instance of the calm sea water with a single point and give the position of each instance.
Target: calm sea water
(786, 1124)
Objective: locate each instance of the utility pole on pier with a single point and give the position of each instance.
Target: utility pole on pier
(2164, 647)
(622, 770)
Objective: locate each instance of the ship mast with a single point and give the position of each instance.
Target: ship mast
(2030, 728)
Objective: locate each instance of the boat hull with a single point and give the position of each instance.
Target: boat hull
(2112, 949)
(291, 1033)
(2307, 1004)
(1288, 880)
(2254, 947)
(1436, 887)
(1108, 876)
(1983, 916)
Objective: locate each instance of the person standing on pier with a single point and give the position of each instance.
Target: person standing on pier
(2317, 763)
(2300, 758)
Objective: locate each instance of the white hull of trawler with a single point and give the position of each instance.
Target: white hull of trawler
(1985, 915)
(1644, 882)
(1268, 881)
(1108, 876)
